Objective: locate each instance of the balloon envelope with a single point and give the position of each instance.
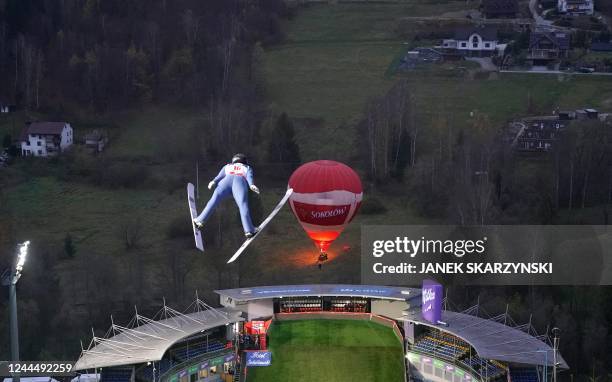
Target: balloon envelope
(326, 196)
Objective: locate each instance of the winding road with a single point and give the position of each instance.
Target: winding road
(539, 20)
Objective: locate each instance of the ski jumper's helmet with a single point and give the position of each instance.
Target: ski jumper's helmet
(239, 158)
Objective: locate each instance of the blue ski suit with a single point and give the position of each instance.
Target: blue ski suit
(233, 179)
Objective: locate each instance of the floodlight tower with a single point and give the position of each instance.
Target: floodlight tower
(10, 278)
(555, 349)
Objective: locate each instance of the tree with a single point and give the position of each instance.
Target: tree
(282, 146)
(583, 162)
(389, 135)
(7, 141)
(138, 76)
(69, 248)
(130, 231)
(177, 71)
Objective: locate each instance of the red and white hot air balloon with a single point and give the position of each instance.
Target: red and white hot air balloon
(326, 196)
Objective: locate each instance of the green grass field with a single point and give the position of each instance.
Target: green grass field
(331, 351)
(334, 59)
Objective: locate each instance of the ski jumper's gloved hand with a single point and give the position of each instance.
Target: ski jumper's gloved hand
(211, 185)
(249, 179)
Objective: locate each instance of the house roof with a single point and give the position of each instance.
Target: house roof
(95, 135)
(545, 123)
(561, 40)
(43, 128)
(494, 7)
(601, 46)
(487, 33)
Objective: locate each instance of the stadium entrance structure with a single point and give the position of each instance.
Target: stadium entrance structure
(463, 347)
(147, 349)
(267, 301)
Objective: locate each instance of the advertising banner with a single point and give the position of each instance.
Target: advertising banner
(257, 327)
(258, 358)
(431, 294)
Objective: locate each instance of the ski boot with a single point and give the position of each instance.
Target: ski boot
(250, 235)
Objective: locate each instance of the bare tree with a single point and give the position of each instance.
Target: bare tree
(191, 25)
(386, 122)
(130, 232)
(403, 100)
(371, 126)
(39, 70)
(227, 48)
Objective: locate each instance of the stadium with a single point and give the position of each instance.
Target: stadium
(320, 332)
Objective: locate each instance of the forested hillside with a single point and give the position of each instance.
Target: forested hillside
(60, 56)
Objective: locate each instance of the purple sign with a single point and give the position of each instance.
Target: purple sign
(431, 293)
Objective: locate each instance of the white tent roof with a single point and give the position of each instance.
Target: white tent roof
(147, 339)
(86, 378)
(492, 339)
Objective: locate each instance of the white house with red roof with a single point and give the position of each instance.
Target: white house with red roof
(43, 139)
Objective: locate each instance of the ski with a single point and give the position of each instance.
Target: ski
(262, 225)
(194, 214)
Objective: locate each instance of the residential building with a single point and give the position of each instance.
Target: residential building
(576, 7)
(43, 139)
(6, 107)
(539, 134)
(546, 46)
(96, 141)
(472, 41)
(601, 47)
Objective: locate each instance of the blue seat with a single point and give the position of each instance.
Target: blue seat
(116, 375)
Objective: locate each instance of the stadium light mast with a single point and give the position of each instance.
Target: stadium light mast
(555, 349)
(545, 370)
(10, 278)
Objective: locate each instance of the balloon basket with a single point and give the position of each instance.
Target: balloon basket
(322, 257)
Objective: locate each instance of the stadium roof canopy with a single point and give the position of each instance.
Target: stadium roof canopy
(146, 339)
(493, 339)
(344, 290)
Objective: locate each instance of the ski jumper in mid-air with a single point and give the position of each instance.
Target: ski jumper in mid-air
(235, 179)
